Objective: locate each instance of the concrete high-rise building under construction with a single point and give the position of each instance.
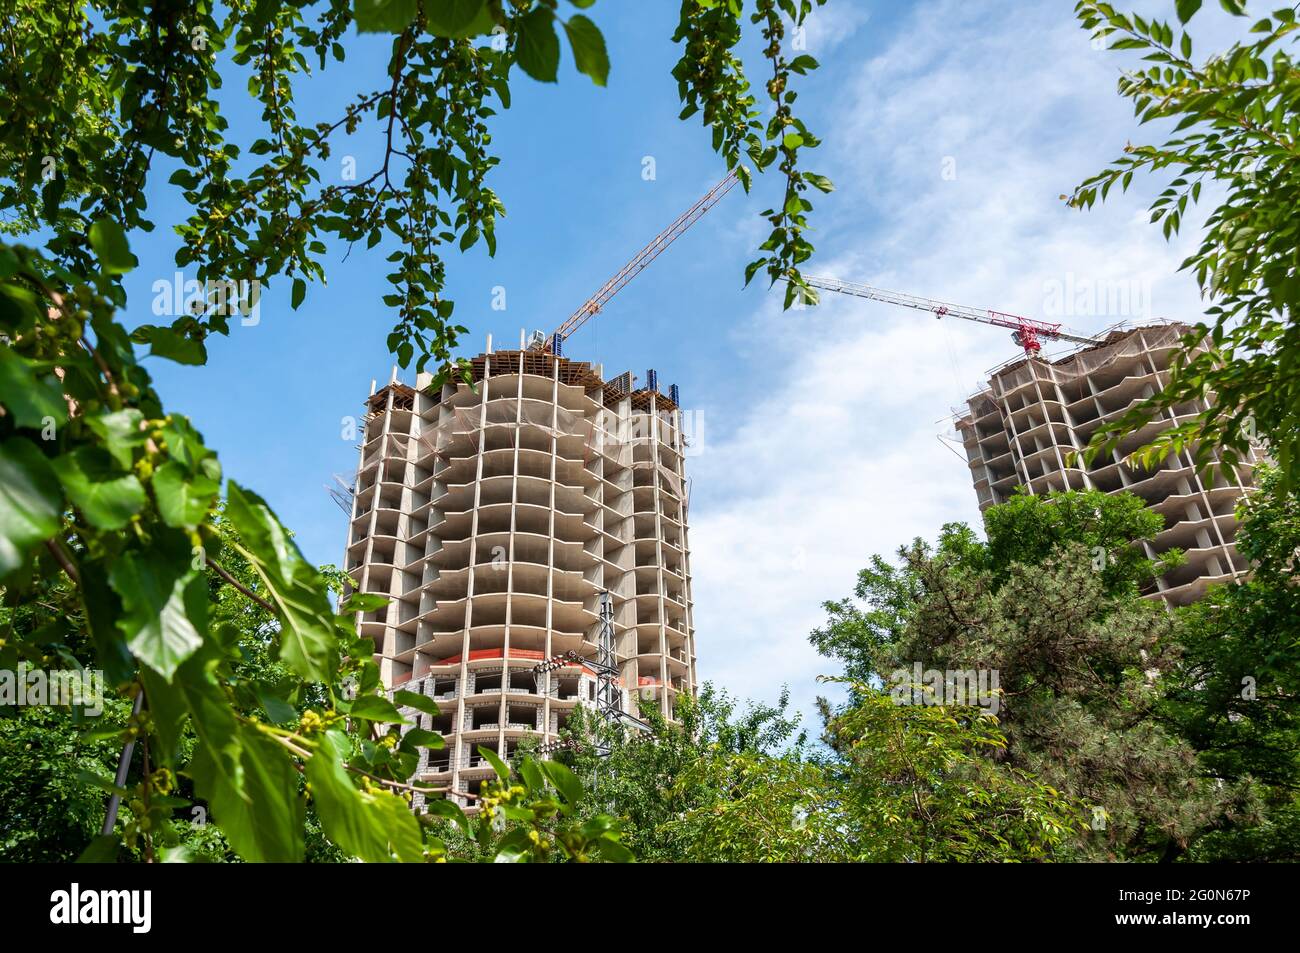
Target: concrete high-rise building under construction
(494, 517)
(1022, 430)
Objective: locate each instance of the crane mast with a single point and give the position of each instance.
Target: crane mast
(1026, 332)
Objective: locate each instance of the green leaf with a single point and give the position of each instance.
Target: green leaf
(803, 63)
(308, 639)
(299, 292)
(18, 308)
(364, 602)
(384, 16)
(565, 781)
(415, 700)
(441, 807)
(538, 52)
(589, 51)
(532, 776)
(120, 431)
(513, 848)
(498, 765)
(185, 445)
(183, 500)
(109, 242)
(251, 788)
(30, 397)
(166, 343)
(374, 827)
(1186, 9)
(107, 497)
(96, 780)
(375, 708)
(792, 140)
(277, 709)
(164, 604)
(422, 738)
(102, 610)
(819, 182)
(599, 825)
(51, 195)
(613, 851)
(458, 19)
(101, 850)
(30, 501)
(169, 708)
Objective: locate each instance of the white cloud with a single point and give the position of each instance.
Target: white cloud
(836, 455)
(829, 26)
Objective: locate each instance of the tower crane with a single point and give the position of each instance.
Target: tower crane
(1026, 332)
(638, 264)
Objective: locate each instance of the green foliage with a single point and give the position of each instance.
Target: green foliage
(711, 81)
(1235, 693)
(1080, 658)
(900, 783)
(897, 783)
(1026, 529)
(104, 486)
(1236, 126)
(757, 808)
(531, 812)
(147, 88)
(48, 811)
(1270, 529)
(929, 784)
(349, 801)
(374, 825)
(30, 513)
(638, 780)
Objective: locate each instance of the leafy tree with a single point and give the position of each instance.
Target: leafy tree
(1079, 659)
(102, 483)
(756, 808)
(901, 784)
(48, 813)
(50, 809)
(1235, 692)
(1024, 531)
(533, 813)
(638, 781)
(896, 783)
(1236, 127)
(925, 783)
(68, 759)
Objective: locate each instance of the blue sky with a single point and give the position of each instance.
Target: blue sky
(950, 128)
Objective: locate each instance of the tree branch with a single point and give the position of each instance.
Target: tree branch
(220, 571)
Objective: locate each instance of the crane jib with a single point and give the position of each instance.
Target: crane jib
(1027, 332)
(645, 256)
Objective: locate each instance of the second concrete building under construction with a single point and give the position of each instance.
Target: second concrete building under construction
(1029, 427)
